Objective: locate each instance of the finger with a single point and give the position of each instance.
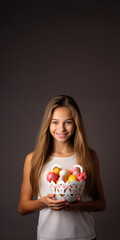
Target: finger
(50, 195)
(57, 208)
(57, 205)
(57, 201)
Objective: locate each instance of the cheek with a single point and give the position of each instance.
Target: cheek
(52, 128)
(71, 128)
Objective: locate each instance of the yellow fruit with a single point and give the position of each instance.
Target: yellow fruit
(66, 177)
(71, 178)
(56, 170)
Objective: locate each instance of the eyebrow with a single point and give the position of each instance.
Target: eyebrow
(64, 120)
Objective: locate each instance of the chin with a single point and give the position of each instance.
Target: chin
(62, 139)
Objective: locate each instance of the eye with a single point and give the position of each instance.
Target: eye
(68, 122)
(55, 122)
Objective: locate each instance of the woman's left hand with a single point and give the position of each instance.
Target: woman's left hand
(72, 206)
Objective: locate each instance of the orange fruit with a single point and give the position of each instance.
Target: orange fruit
(71, 178)
(56, 170)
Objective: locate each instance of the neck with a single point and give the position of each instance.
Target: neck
(62, 148)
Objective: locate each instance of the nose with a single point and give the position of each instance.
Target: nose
(61, 127)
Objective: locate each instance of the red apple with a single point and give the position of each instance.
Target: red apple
(51, 176)
(81, 176)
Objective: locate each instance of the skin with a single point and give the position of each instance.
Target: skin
(62, 127)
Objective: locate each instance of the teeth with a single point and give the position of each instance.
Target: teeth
(61, 135)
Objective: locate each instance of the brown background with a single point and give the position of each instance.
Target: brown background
(49, 49)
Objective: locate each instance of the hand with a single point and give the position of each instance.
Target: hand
(53, 204)
(72, 206)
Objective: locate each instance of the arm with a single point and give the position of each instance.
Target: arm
(97, 204)
(27, 204)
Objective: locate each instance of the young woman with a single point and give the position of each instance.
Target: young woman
(62, 141)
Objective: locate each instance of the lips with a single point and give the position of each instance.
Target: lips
(61, 135)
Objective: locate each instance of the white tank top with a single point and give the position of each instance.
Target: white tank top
(59, 225)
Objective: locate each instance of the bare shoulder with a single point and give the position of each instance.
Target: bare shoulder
(27, 163)
(29, 157)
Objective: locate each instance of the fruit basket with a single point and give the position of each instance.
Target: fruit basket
(67, 184)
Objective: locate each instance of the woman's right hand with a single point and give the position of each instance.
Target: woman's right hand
(53, 204)
(26, 204)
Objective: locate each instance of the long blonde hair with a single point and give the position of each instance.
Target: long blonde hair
(43, 149)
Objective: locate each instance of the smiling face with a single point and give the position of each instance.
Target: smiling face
(62, 125)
